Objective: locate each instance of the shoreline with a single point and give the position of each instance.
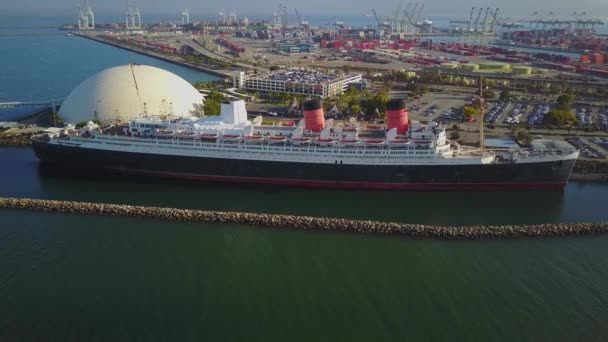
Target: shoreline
(157, 56)
(293, 222)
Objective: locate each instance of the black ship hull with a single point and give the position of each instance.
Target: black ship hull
(552, 175)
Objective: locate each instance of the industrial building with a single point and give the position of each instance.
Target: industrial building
(296, 81)
(297, 47)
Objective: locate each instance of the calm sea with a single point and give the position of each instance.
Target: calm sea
(75, 278)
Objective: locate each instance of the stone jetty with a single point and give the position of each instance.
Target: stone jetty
(309, 223)
(16, 140)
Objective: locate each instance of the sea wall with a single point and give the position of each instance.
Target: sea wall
(309, 223)
(591, 166)
(16, 139)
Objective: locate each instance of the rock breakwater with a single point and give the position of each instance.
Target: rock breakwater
(309, 223)
(591, 167)
(16, 140)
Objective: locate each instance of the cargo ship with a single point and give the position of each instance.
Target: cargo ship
(396, 155)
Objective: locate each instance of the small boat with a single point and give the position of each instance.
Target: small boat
(375, 142)
(186, 135)
(300, 141)
(253, 138)
(209, 137)
(276, 139)
(325, 142)
(350, 142)
(231, 137)
(163, 133)
(399, 142)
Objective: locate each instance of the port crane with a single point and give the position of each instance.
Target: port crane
(380, 28)
(302, 25)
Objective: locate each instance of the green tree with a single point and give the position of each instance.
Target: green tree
(489, 94)
(559, 117)
(355, 109)
(523, 136)
(117, 117)
(377, 105)
(57, 119)
(564, 101)
(504, 96)
(213, 103)
(469, 112)
(285, 98)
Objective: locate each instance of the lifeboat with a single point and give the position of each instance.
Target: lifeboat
(253, 138)
(300, 141)
(375, 142)
(186, 135)
(276, 139)
(209, 137)
(350, 142)
(163, 133)
(399, 142)
(325, 142)
(231, 137)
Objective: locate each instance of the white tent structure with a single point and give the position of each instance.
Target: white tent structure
(129, 91)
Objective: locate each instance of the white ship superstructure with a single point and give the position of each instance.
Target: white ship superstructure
(312, 152)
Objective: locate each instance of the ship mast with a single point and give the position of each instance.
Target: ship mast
(482, 106)
(136, 86)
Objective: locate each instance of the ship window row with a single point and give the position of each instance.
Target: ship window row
(304, 150)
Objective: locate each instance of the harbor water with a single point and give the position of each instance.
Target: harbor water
(77, 278)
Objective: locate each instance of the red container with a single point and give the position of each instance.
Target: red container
(314, 118)
(397, 116)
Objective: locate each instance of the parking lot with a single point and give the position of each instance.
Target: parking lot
(443, 106)
(587, 150)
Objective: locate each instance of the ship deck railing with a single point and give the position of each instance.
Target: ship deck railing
(397, 151)
(256, 146)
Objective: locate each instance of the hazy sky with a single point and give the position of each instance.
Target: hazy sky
(200, 8)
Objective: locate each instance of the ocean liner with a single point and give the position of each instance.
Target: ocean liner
(314, 152)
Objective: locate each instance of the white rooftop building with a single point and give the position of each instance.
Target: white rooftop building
(296, 81)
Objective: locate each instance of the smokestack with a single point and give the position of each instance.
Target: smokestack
(397, 116)
(314, 118)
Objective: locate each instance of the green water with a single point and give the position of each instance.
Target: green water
(72, 278)
(22, 177)
(77, 278)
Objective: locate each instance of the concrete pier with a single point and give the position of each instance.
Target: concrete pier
(168, 59)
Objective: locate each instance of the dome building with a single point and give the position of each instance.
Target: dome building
(129, 91)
